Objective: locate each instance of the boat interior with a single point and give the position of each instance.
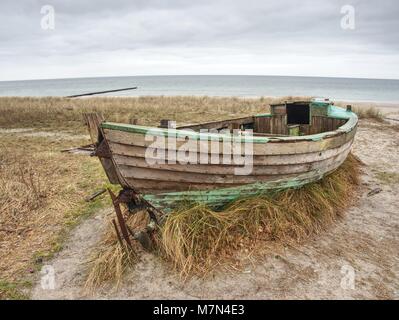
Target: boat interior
(285, 119)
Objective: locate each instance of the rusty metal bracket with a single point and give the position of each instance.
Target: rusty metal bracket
(121, 220)
(134, 202)
(102, 150)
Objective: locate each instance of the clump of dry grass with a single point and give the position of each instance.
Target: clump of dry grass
(111, 259)
(195, 238)
(19, 177)
(370, 112)
(364, 110)
(109, 263)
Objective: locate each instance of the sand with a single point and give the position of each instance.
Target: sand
(358, 258)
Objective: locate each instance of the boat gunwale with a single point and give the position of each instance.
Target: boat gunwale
(333, 112)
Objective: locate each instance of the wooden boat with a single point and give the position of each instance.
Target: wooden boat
(295, 144)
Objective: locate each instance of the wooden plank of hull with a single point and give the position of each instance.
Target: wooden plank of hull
(219, 197)
(135, 177)
(221, 169)
(148, 186)
(155, 186)
(93, 121)
(140, 152)
(262, 124)
(272, 147)
(110, 170)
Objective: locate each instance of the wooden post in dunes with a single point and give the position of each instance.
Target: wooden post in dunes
(134, 121)
(166, 123)
(99, 92)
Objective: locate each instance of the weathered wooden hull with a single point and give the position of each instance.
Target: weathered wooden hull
(277, 162)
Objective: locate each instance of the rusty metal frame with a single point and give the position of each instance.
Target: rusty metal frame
(134, 202)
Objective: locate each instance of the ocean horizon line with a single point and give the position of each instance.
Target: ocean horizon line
(201, 75)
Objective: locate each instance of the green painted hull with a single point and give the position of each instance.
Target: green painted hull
(218, 198)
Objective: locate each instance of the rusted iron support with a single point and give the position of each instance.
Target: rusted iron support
(135, 202)
(102, 150)
(117, 232)
(121, 220)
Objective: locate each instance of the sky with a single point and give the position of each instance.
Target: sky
(182, 37)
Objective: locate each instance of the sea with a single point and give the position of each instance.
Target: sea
(344, 89)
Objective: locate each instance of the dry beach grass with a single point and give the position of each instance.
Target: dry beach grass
(41, 196)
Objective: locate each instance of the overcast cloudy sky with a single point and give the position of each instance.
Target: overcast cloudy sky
(159, 37)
